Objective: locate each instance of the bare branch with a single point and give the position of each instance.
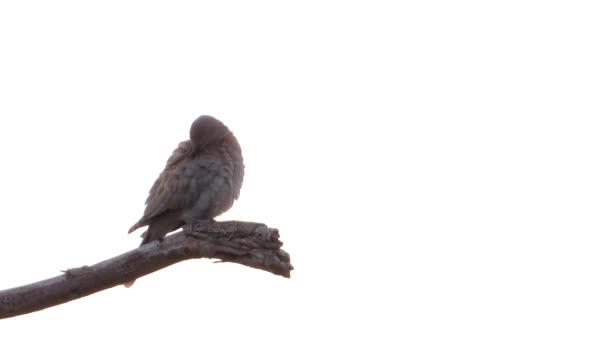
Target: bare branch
(246, 243)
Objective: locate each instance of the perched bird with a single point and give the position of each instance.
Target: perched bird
(201, 180)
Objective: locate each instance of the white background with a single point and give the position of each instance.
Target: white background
(437, 169)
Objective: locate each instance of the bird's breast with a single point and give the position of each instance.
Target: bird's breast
(218, 190)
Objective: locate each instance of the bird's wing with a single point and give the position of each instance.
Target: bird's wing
(180, 184)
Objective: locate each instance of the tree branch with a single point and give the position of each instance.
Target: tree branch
(247, 243)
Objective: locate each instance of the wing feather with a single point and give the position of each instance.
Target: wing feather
(181, 183)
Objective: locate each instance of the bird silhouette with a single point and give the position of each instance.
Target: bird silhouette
(201, 180)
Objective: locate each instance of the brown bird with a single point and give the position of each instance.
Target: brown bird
(201, 180)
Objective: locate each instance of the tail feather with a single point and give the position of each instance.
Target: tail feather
(161, 227)
(145, 237)
(138, 224)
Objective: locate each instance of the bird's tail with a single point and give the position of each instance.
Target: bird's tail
(139, 224)
(145, 237)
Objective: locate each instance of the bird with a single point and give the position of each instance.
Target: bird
(201, 180)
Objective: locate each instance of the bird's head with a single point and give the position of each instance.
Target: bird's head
(207, 129)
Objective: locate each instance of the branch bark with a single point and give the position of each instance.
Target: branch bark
(247, 243)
